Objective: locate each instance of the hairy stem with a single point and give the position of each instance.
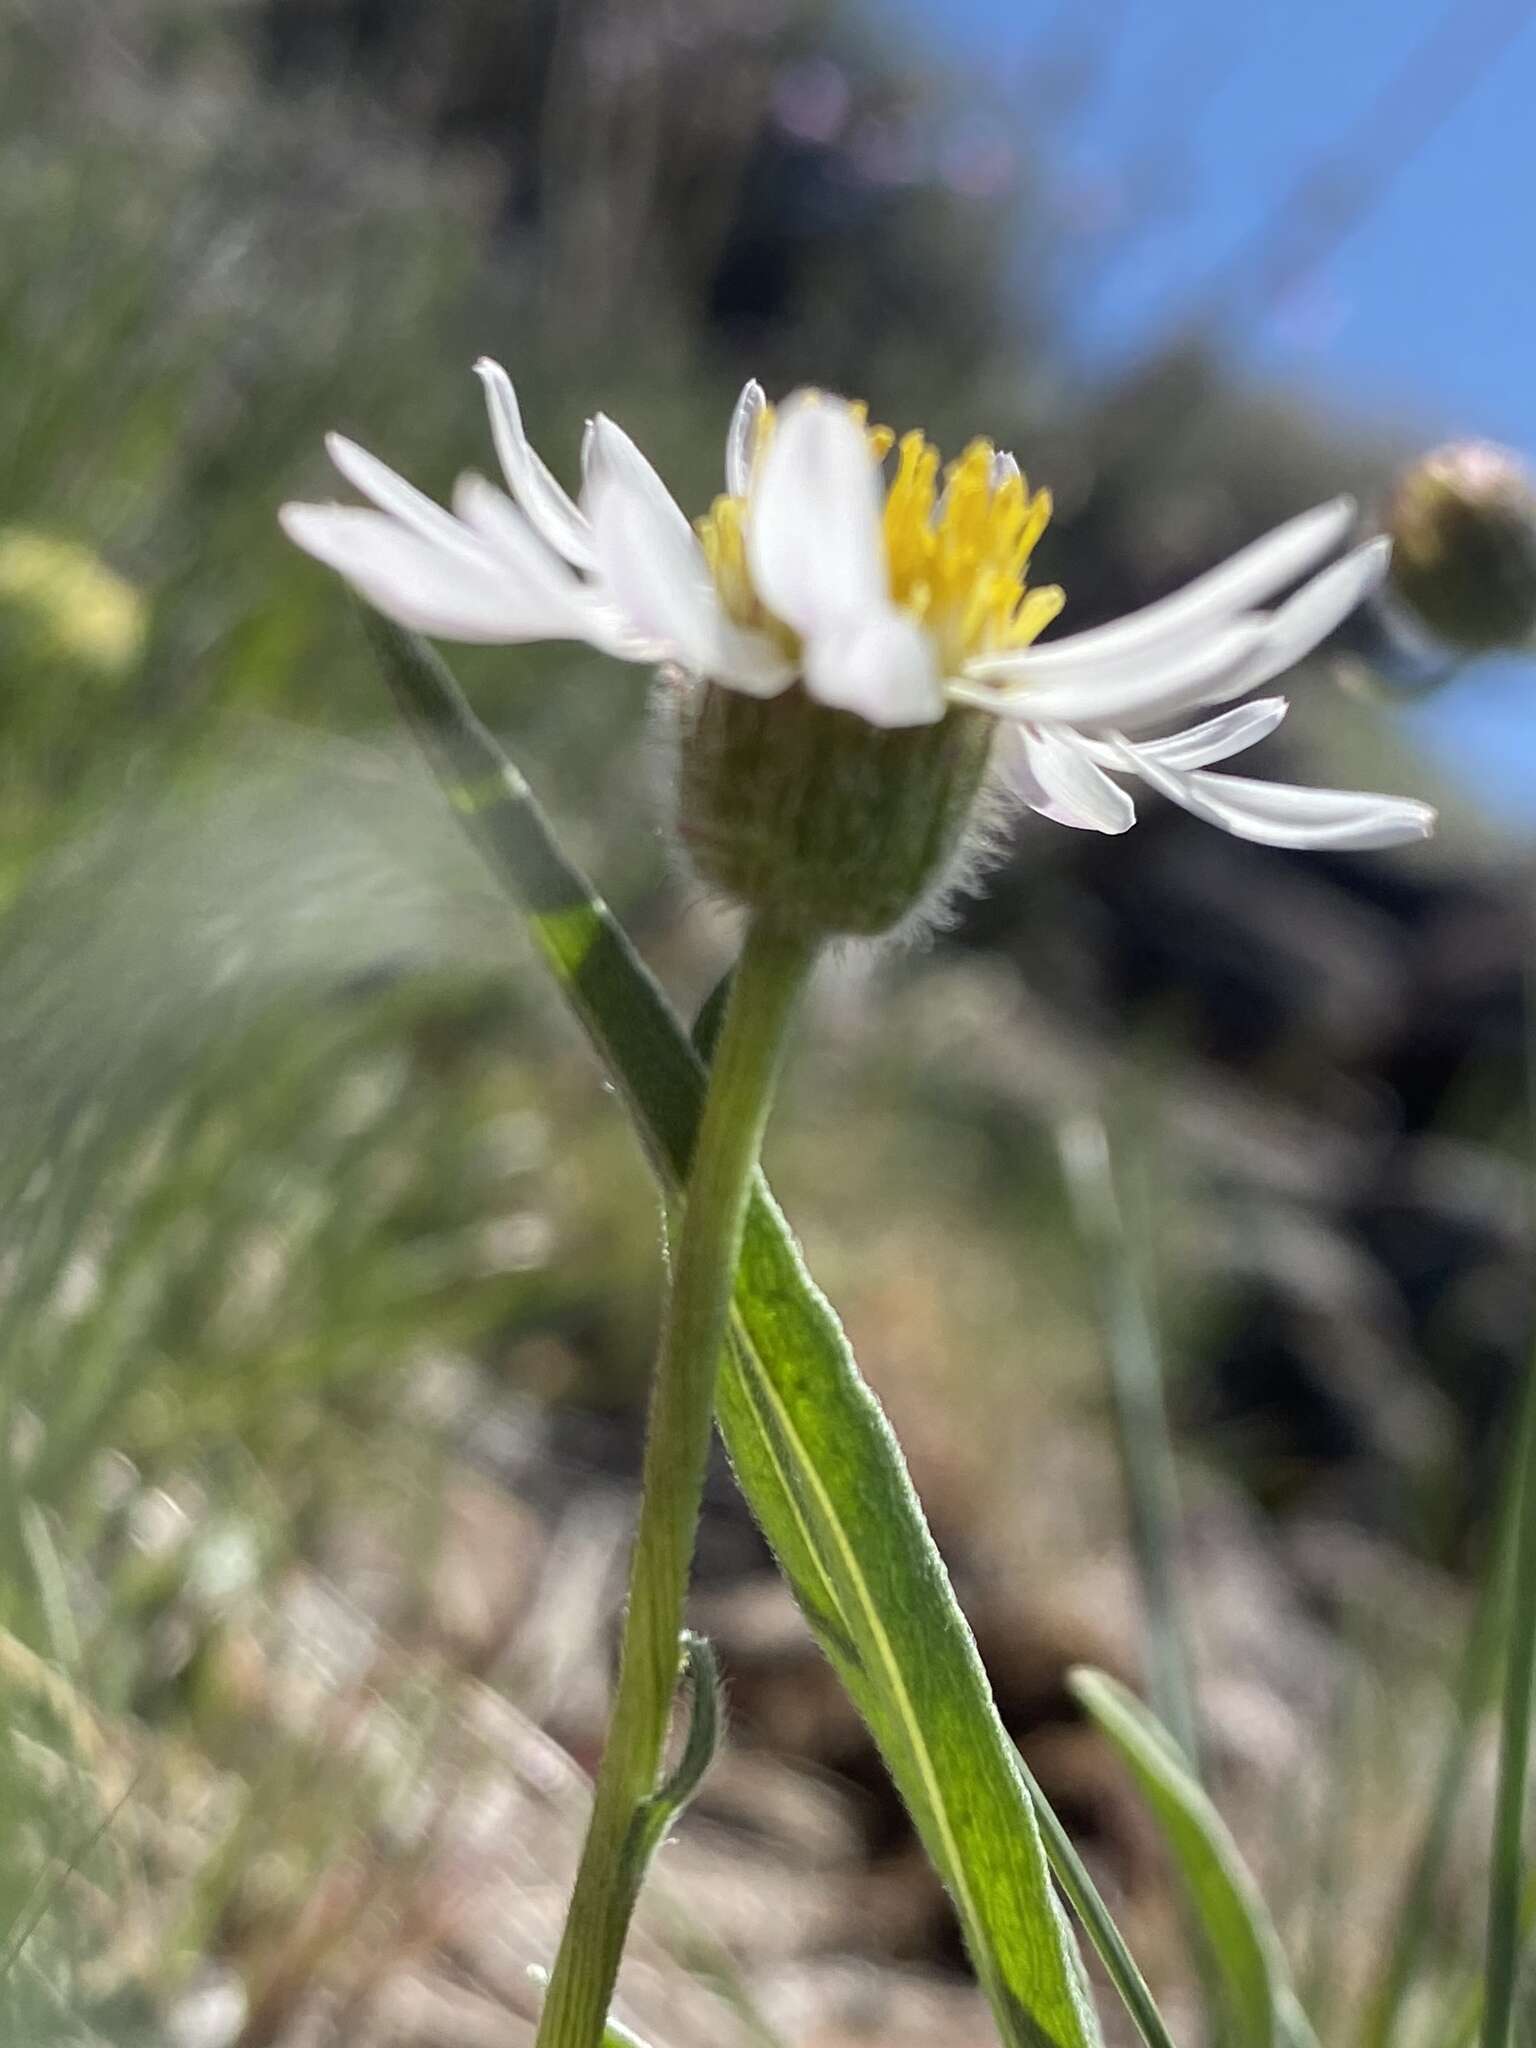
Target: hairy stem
(772, 971)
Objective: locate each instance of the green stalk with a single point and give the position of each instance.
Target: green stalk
(1505, 1879)
(769, 976)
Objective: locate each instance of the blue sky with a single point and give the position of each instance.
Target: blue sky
(1424, 316)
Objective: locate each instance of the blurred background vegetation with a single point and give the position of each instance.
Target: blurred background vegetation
(329, 1274)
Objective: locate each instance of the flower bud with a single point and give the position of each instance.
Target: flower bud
(1463, 527)
(830, 824)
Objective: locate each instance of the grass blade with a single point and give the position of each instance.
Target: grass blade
(1413, 1922)
(812, 1450)
(1507, 1873)
(1260, 2008)
(1460, 2028)
(1141, 1425)
(1082, 1895)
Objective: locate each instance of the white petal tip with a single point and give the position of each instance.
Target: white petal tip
(1422, 823)
(602, 450)
(1399, 823)
(299, 520)
(500, 392)
(1378, 553)
(1328, 523)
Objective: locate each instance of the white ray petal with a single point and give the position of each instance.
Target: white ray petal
(454, 593)
(1217, 739)
(1139, 689)
(491, 515)
(1012, 759)
(1305, 620)
(883, 667)
(609, 456)
(507, 531)
(813, 536)
(1249, 577)
(1074, 784)
(391, 493)
(662, 586)
(659, 579)
(540, 493)
(741, 438)
(1288, 814)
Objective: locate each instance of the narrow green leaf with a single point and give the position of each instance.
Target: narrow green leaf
(1460, 2028)
(1415, 1923)
(701, 1674)
(617, 2035)
(706, 1026)
(1260, 2008)
(812, 1450)
(1083, 1896)
(1507, 1863)
(1142, 1431)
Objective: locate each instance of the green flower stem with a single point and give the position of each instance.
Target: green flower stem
(1505, 1883)
(773, 968)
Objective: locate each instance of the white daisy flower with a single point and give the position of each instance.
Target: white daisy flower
(893, 596)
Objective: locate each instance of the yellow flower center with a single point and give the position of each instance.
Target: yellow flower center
(956, 556)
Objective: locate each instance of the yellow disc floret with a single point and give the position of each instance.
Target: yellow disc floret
(957, 555)
(723, 534)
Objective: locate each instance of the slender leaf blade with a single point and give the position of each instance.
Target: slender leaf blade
(1082, 1894)
(1413, 1924)
(1260, 2008)
(814, 1454)
(653, 1820)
